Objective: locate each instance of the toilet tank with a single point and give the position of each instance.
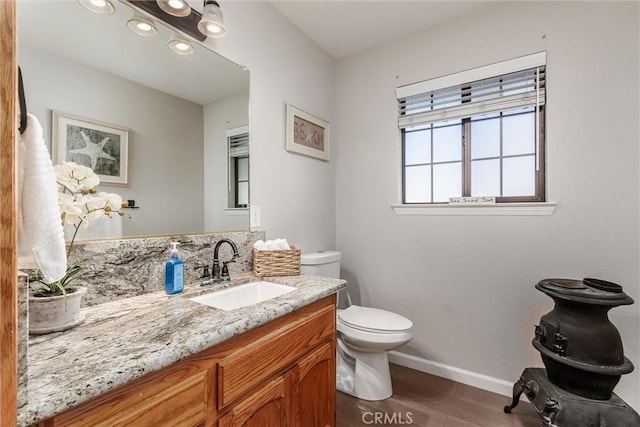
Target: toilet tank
(323, 263)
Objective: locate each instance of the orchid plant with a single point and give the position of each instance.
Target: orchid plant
(80, 205)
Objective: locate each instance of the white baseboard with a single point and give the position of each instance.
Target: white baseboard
(463, 376)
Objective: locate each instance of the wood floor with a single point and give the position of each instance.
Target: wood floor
(424, 400)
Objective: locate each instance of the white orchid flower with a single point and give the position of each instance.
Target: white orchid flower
(112, 200)
(72, 212)
(76, 178)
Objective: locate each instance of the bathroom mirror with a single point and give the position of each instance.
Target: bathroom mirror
(177, 110)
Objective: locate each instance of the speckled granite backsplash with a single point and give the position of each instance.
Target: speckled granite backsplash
(131, 267)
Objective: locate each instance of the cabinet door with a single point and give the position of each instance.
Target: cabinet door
(272, 405)
(317, 387)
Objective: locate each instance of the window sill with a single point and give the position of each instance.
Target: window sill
(236, 211)
(498, 209)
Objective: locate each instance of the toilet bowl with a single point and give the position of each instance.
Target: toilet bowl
(365, 335)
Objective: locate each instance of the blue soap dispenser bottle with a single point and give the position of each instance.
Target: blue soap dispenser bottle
(174, 272)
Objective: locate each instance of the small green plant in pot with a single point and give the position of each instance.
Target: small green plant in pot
(55, 306)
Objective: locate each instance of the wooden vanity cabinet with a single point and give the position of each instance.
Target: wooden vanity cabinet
(280, 374)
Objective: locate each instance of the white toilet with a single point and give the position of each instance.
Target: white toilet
(364, 337)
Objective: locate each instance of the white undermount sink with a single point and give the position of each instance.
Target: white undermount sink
(243, 295)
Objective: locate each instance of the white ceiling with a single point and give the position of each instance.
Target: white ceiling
(343, 28)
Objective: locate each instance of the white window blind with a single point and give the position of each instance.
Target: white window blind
(517, 83)
(238, 145)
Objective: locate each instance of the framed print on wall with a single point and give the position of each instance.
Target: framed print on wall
(306, 134)
(103, 147)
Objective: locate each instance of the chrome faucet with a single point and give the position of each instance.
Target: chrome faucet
(216, 265)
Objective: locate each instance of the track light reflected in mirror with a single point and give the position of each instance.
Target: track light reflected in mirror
(142, 25)
(101, 7)
(175, 7)
(180, 45)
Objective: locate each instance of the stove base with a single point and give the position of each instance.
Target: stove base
(560, 408)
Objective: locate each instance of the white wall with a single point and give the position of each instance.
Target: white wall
(165, 137)
(220, 116)
(296, 193)
(468, 282)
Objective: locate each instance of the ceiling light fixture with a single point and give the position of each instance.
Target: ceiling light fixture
(212, 23)
(142, 25)
(180, 45)
(175, 7)
(101, 7)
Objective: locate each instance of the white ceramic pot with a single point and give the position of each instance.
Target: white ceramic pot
(55, 314)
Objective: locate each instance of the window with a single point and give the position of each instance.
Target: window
(238, 149)
(476, 133)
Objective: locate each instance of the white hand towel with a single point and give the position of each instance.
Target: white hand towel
(39, 210)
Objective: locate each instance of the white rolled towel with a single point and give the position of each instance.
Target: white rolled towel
(272, 245)
(282, 244)
(39, 210)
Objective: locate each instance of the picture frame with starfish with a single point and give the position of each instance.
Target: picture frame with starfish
(104, 147)
(306, 134)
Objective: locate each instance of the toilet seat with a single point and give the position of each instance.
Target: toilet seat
(374, 320)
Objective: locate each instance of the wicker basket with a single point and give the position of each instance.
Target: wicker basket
(277, 263)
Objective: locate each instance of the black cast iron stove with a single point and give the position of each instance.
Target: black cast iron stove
(583, 356)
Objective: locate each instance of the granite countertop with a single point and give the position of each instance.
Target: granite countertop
(126, 339)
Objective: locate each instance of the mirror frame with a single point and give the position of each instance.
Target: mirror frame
(8, 214)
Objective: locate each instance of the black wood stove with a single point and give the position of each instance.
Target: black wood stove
(583, 356)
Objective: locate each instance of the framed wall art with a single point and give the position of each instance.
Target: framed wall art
(306, 134)
(103, 147)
